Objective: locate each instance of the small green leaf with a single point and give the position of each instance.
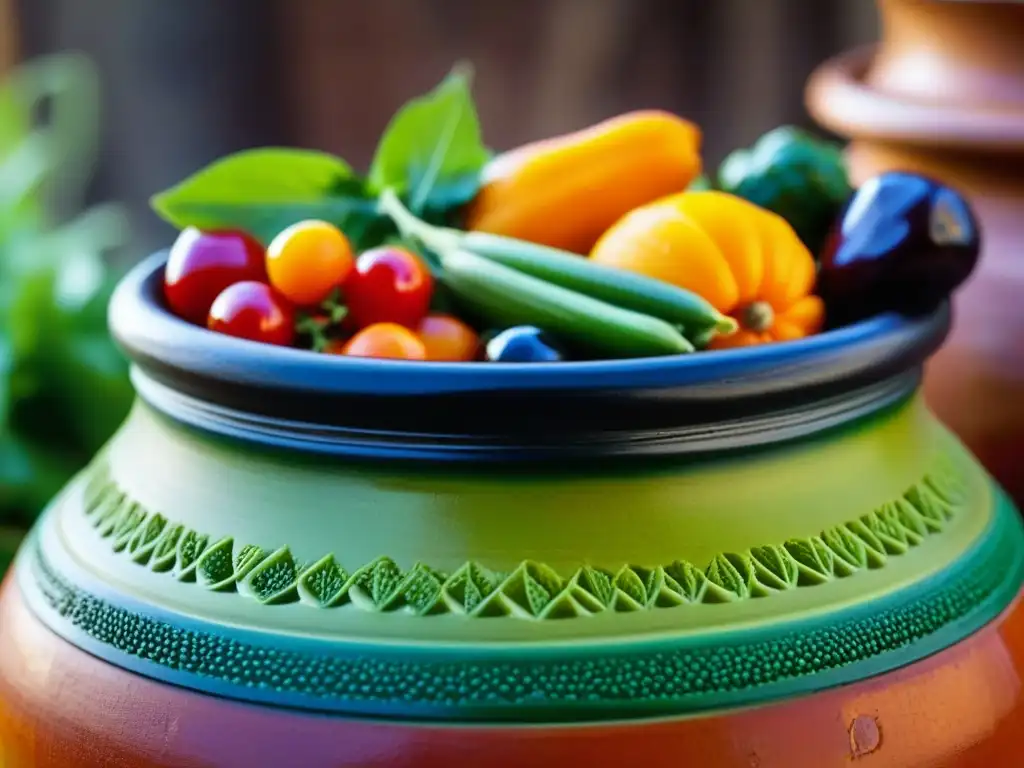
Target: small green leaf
(109, 507)
(774, 568)
(691, 580)
(215, 569)
(815, 561)
(262, 191)
(928, 505)
(273, 580)
(532, 586)
(431, 151)
(128, 523)
(847, 548)
(144, 539)
(732, 573)
(632, 585)
(108, 522)
(420, 590)
(589, 590)
(165, 548)
(873, 548)
(323, 583)
(384, 580)
(191, 546)
(951, 491)
(598, 583)
(247, 558)
(470, 585)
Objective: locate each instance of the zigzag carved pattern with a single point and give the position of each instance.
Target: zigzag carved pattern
(532, 590)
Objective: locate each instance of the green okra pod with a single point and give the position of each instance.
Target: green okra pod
(619, 287)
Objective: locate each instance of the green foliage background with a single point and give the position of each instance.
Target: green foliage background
(63, 384)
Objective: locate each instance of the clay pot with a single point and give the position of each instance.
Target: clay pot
(766, 556)
(943, 94)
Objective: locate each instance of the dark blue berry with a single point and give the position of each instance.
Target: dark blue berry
(522, 344)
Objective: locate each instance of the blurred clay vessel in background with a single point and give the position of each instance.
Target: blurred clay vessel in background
(943, 94)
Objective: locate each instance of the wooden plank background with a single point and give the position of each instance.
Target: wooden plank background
(8, 36)
(189, 80)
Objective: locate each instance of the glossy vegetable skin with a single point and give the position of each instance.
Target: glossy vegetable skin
(794, 174)
(202, 264)
(565, 191)
(254, 311)
(745, 261)
(447, 339)
(386, 341)
(308, 261)
(506, 297)
(904, 243)
(389, 285)
(522, 344)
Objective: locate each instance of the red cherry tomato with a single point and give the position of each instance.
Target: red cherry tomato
(202, 264)
(308, 260)
(252, 310)
(386, 340)
(448, 339)
(389, 285)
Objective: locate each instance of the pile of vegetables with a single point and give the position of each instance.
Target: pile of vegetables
(608, 242)
(63, 385)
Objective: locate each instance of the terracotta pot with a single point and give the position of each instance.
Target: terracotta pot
(943, 94)
(766, 556)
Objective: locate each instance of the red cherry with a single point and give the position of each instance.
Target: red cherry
(202, 264)
(252, 310)
(388, 285)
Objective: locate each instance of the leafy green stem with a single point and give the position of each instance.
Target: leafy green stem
(438, 239)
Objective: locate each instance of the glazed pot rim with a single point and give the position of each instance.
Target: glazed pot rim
(146, 330)
(206, 379)
(839, 98)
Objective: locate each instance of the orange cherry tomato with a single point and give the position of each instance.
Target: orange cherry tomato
(448, 339)
(308, 260)
(386, 340)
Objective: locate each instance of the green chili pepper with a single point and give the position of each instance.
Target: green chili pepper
(619, 287)
(506, 297)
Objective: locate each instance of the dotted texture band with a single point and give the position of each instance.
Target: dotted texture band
(532, 590)
(575, 682)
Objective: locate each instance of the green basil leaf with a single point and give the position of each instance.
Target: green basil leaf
(63, 385)
(263, 191)
(431, 151)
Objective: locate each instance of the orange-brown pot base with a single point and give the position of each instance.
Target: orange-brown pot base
(61, 708)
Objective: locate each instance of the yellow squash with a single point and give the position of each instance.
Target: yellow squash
(564, 192)
(745, 260)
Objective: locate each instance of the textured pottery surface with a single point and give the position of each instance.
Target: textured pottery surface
(943, 95)
(763, 557)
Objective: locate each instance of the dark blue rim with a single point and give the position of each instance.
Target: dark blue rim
(243, 389)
